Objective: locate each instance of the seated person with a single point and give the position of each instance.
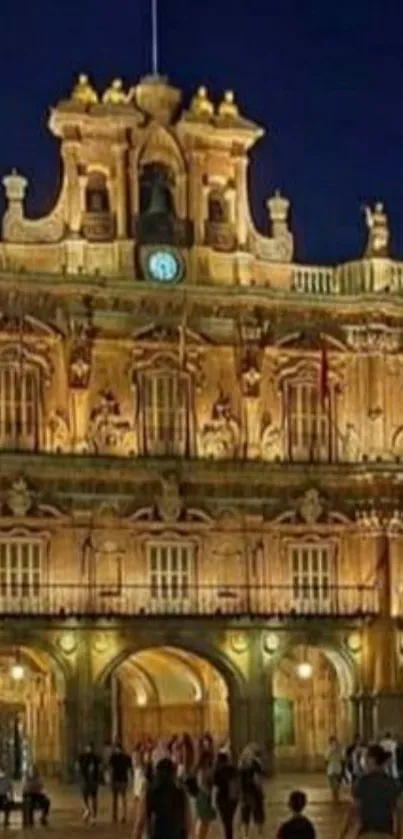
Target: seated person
(34, 798)
(6, 795)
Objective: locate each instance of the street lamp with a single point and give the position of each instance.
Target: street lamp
(17, 670)
(304, 670)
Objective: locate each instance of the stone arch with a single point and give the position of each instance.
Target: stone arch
(230, 683)
(324, 695)
(160, 146)
(33, 702)
(229, 671)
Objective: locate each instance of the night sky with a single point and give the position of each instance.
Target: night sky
(324, 79)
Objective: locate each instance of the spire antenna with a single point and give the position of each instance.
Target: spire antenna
(154, 36)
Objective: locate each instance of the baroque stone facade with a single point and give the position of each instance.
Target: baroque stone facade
(201, 445)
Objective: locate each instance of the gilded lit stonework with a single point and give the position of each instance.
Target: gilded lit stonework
(201, 444)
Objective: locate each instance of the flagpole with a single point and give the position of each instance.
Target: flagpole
(154, 37)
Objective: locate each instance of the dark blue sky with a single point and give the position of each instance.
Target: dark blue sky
(325, 79)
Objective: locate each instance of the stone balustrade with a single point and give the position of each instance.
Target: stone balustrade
(76, 600)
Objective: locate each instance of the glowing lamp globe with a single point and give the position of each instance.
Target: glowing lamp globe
(304, 670)
(17, 672)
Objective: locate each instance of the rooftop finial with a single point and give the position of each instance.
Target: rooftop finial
(201, 106)
(228, 109)
(84, 92)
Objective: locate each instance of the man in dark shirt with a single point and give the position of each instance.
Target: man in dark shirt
(298, 826)
(376, 805)
(120, 767)
(90, 767)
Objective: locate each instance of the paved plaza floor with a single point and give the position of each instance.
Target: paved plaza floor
(65, 817)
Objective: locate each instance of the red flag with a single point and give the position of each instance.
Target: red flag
(324, 390)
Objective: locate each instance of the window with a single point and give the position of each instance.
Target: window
(308, 419)
(21, 566)
(311, 572)
(166, 414)
(171, 568)
(19, 407)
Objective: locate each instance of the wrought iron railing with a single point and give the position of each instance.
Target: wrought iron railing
(70, 599)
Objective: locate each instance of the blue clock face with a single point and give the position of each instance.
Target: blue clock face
(163, 267)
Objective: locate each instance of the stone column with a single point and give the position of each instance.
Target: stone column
(260, 708)
(365, 704)
(79, 706)
(196, 196)
(242, 201)
(121, 191)
(72, 187)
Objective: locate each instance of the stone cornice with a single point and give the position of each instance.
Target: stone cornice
(241, 485)
(128, 303)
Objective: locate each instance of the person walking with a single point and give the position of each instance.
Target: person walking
(226, 792)
(6, 795)
(252, 797)
(205, 812)
(120, 767)
(90, 769)
(335, 767)
(164, 810)
(376, 807)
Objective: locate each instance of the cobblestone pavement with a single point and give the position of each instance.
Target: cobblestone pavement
(65, 817)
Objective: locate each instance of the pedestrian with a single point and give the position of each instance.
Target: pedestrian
(205, 812)
(6, 795)
(374, 809)
(389, 745)
(335, 767)
(252, 797)
(164, 810)
(226, 792)
(298, 826)
(34, 797)
(120, 767)
(90, 769)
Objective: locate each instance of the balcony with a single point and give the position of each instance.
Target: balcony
(260, 601)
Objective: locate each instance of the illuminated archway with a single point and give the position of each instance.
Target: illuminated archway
(31, 710)
(312, 691)
(163, 691)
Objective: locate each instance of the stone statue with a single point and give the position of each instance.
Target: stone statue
(108, 432)
(378, 231)
(351, 444)
(114, 94)
(310, 507)
(250, 376)
(58, 433)
(19, 498)
(79, 370)
(201, 107)
(271, 440)
(220, 437)
(84, 92)
(169, 502)
(228, 109)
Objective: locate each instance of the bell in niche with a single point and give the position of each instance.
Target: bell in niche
(158, 202)
(157, 214)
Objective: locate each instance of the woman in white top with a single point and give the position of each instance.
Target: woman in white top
(334, 767)
(138, 775)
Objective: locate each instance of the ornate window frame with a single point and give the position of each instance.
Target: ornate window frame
(16, 357)
(165, 364)
(303, 373)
